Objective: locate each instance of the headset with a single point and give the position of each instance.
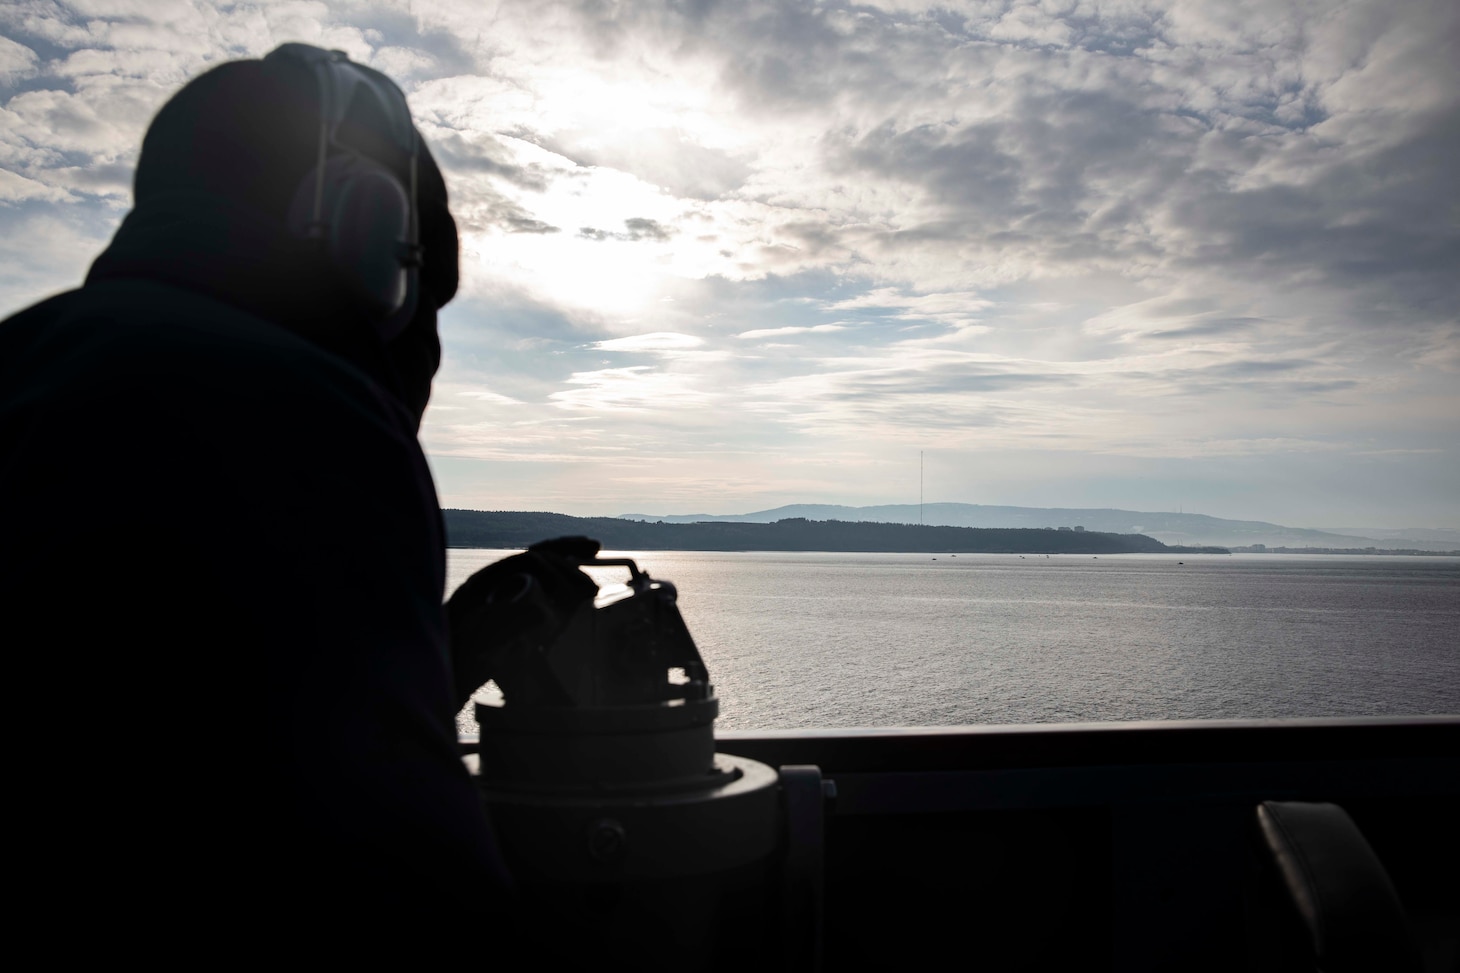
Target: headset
(353, 205)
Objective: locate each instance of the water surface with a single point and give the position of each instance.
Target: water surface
(856, 640)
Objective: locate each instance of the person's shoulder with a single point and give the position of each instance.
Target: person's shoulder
(138, 319)
(180, 388)
(43, 309)
(151, 317)
(120, 338)
(24, 326)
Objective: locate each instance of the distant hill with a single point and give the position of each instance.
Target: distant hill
(516, 529)
(1431, 538)
(1169, 528)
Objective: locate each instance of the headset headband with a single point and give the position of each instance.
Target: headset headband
(339, 77)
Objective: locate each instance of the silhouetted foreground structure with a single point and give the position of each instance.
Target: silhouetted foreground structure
(641, 840)
(1135, 847)
(511, 529)
(618, 819)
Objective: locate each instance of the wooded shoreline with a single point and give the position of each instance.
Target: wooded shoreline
(517, 529)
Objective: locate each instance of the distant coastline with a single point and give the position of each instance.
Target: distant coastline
(517, 529)
(1264, 549)
(1191, 529)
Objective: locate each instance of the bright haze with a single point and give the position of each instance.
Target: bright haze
(720, 257)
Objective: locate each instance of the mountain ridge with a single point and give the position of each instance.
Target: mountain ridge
(1169, 528)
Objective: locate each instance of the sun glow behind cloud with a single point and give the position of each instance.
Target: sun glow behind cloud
(726, 256)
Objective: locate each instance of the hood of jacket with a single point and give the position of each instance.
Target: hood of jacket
(219, 167)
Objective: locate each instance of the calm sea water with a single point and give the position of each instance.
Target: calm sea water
(860, 640)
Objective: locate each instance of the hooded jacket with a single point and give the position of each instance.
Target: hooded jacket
(222, 559)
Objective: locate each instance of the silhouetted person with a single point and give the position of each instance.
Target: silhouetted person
(221, 555)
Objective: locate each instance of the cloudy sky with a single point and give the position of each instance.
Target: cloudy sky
(724, 256)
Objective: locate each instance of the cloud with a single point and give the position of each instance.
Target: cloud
(44, 249)
(658, 341)
(14, 187)
(669, 158)
(1191, 229)
(780, 332)
(635, 229)
(17, 62)
(640, 228)
(637, 388)
(485, 395)
(526, 224)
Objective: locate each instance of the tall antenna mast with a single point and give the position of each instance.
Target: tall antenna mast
(920, 488)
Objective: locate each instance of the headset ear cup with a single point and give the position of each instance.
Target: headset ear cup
(365, 218)
(357, 209)
(391, 327)
(368, 235)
